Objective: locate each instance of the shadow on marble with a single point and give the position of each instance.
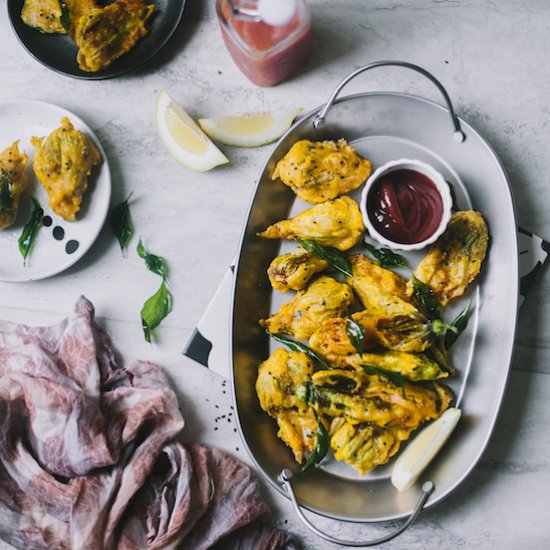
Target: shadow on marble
(190, 22)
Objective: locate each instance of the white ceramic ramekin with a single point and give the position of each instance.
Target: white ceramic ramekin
(418, 166)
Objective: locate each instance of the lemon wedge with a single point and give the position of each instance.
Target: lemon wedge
(422, 449)
(249, 129)
(183, 138)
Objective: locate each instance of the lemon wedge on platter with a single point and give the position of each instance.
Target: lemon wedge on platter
(249, 129)
(183, 138)
(422, 449)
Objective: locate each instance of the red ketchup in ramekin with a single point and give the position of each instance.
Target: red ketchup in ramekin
(405, 206)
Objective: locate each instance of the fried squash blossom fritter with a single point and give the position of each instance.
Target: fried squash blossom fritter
(62, 163)
(323, 170)
(337, 223)
(102, 33)
(455, 259)
(13, 182)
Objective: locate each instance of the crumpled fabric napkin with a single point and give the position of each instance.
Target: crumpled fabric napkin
(89, 460)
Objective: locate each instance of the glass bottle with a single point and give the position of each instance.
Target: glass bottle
(265, 52)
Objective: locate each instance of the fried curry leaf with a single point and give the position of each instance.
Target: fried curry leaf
(65, 18)
(155, 309)
(158, 306)
(356, 334)
(460, 323)
(386, 257)
(6, 193)
(454, 206)
(31, 229)
(121, 223)
(333, 256)
(154, 263)
(321, 447)
(298, 346)
(425, 298)
(394, 377)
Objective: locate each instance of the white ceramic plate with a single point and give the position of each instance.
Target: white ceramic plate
(61, 244)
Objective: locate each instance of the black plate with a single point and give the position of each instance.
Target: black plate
(58, 52)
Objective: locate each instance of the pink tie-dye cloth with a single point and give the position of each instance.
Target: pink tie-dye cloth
(89, 460)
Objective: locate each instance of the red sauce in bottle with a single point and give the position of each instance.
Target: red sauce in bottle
(405, 206)
(266, 54)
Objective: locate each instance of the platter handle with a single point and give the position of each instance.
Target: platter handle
(285, 477)
(458, 134)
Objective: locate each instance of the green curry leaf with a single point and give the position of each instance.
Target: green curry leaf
(356, 333)
(454, 206)
(121, 223)
(65, 18)
(425, 298)
(386, 257)
(154, 263)
(321, 448)
(460, 323)
(155, 309)
(298, 346)
(158, 306)
(31, 229)
(333, 256)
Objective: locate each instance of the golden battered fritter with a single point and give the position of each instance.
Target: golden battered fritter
(399, 326)
(331, 340)
(293, 271)
(53, 16)
(279, 379)
(376, 286)
(416, 367)
(62, 163)
(337, 223)
(371, 398)
(44, 15)
(364, 446)
(13, 182)
(323, 299)
(105, 34)
(455, 259)
(322, 170)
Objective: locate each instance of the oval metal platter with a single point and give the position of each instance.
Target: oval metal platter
(383, 127)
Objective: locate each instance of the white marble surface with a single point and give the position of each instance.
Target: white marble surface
(491, 56)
